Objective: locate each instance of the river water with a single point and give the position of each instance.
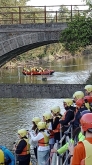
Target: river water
(72, 71)
(18, 113)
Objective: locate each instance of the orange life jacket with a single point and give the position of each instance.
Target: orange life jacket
(63, 117)
(57, 129)
(58, 126)
(51, 134)
(44, 141)
(26, 150)
(51, 131)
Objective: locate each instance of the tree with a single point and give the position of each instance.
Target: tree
(64, 14)
(4, 3)
(78, 34)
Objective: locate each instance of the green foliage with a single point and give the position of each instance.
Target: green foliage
(7, 14)
(64, 14)
(78, 34)
(40, 52)
(8, 3)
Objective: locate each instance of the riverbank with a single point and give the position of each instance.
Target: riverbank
(37, 60)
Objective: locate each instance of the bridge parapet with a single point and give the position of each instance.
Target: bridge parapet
(34, 27)
(42, 14)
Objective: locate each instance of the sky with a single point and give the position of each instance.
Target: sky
(58, 2)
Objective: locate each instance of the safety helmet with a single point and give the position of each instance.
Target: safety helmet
(88, 99)
(41, 125)
(36, 120)
(78, 95)
(47, 116)
(80, 102)
(22, 132)
(68, 101)
(86, 122)
(88, 88)
(55, 109)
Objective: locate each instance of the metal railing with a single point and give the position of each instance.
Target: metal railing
(64, 158)
(41, 14)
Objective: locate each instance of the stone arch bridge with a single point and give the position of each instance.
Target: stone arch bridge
(17, 39)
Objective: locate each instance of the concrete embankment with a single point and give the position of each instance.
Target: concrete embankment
(39, 90)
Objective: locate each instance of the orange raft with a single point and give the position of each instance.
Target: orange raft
(45, 72)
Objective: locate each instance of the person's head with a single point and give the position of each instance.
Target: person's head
(78, 95)
(47, 116)
(86, 123)
(55, 110)
(88, 99)
(88, 89)
(78, 129)
(22, 133)
(67, 103)
(41, 125)
(35, 120)
(80, 103)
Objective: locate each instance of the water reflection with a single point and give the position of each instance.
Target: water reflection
(70, 71)
(18, 113)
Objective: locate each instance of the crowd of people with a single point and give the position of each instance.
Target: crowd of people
(34, 69)
(46, 131)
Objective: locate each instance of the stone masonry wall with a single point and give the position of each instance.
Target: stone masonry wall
(39, 91)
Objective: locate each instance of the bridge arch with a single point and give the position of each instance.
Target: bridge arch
(16, 41)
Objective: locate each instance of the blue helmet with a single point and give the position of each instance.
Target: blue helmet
(84, 112)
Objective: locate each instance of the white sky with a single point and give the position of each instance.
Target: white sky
(58, 2)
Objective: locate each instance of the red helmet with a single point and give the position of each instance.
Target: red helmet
(88, 99)
(86, 121)
(80, 102)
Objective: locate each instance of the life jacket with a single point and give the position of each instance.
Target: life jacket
(58, 126)
(51, 131)
(26, 150)
(88, 151)
(51, 134)
(63, 117)
(57, 129)
(44, 141)
(2, 160)
(87, 105)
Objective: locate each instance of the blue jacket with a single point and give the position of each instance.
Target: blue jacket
(8, 155)
(76, 122)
